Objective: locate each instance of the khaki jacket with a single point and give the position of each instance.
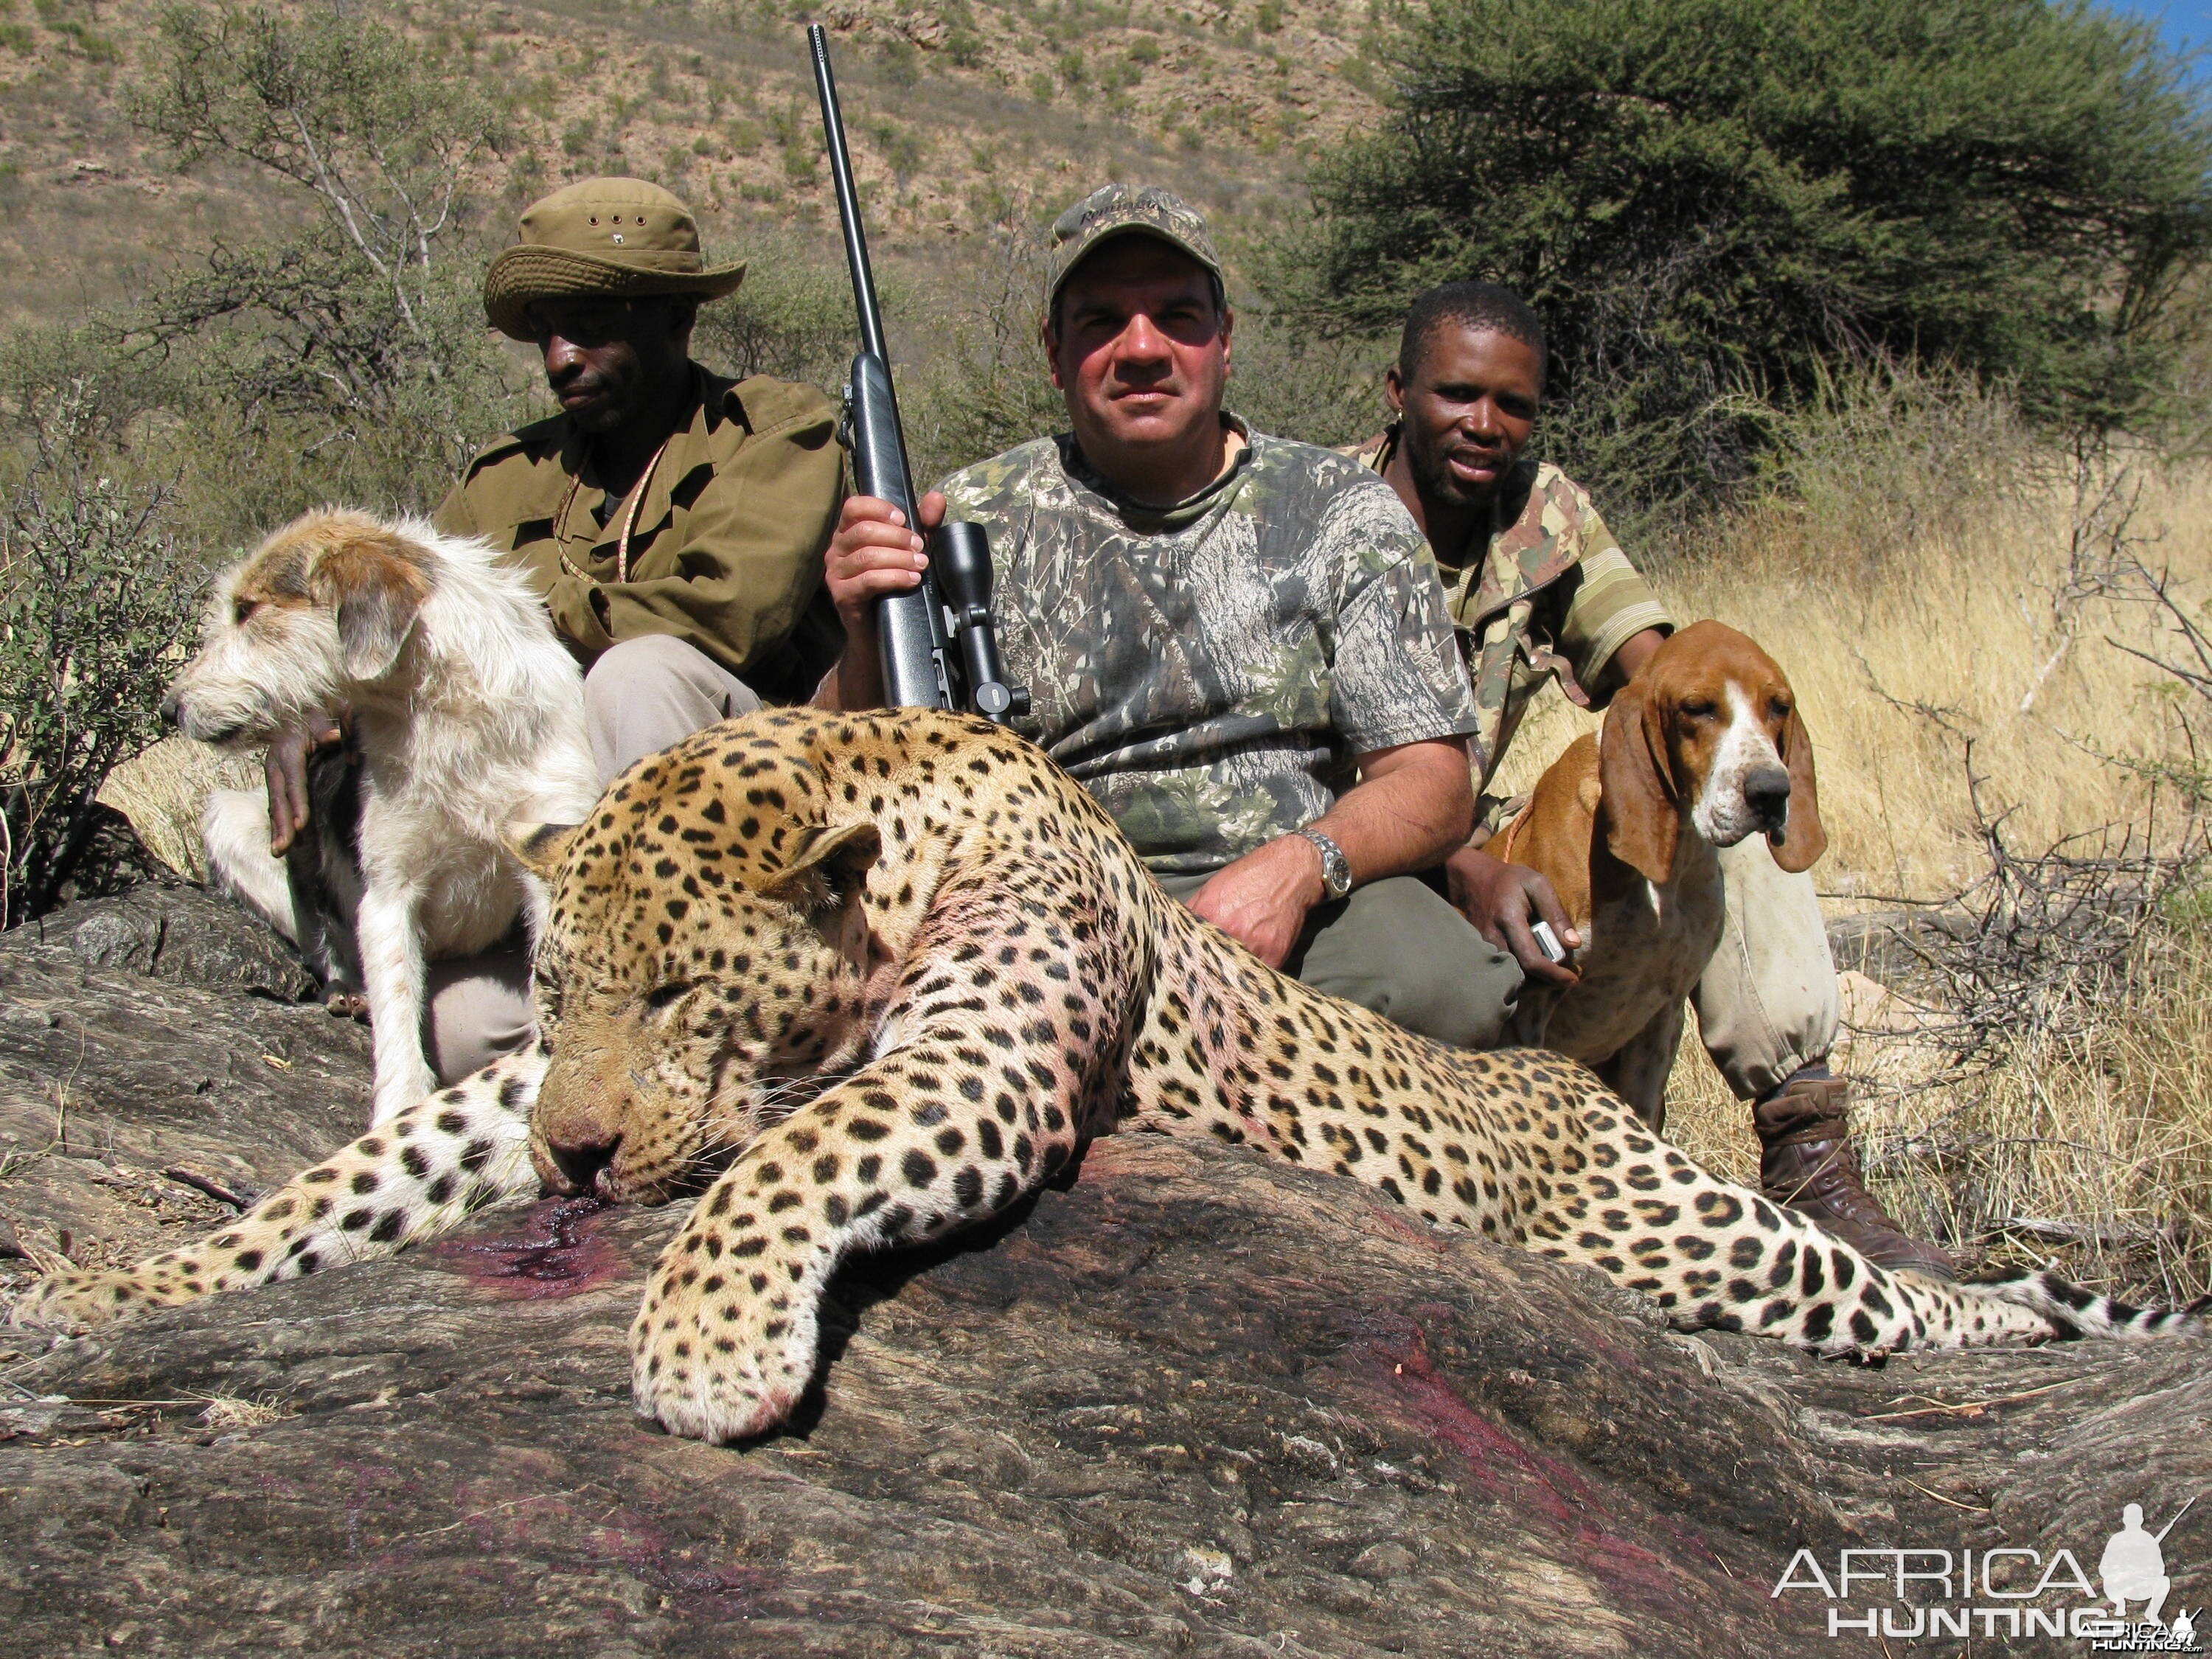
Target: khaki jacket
(726, 546)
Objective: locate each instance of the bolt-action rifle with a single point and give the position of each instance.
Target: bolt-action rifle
(940, 650)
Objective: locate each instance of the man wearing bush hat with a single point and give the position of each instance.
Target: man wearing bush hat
(674, 520)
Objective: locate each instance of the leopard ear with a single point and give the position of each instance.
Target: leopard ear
(826, 864)
(541, 846)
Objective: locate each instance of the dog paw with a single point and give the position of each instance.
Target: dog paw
(78, 1301)
(714, 1359)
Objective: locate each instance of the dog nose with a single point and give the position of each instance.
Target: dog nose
(586, 1165)
(173, 708)
(1767, 791)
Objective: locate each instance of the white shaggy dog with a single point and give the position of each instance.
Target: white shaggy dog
(468, 712)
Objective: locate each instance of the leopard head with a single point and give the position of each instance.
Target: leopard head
(701, 971)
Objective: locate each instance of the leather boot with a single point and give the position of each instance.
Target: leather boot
(1807, 1163)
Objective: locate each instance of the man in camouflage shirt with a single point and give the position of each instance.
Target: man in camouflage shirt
(1236, 643)
(1540, 591)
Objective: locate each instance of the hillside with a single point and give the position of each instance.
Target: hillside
(962, 115)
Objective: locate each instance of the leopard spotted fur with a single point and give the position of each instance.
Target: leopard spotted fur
(869, 979)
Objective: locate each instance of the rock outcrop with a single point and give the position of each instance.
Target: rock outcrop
(1186, 1401)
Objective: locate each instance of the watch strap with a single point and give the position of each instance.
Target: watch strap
(1335, 868)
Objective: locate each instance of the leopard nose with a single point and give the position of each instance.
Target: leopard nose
(1766, 792)
(585, 1164)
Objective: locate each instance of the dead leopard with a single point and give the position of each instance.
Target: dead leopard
(876, 977)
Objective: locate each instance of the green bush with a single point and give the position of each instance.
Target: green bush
(1712, 201)
(791, 318)
(95, 598)
(901, 63)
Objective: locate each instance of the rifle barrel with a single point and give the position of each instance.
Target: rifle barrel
(849, 200)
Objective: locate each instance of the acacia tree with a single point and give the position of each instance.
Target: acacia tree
(1710, 200)
(368, 321)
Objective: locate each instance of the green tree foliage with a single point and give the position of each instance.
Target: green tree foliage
(94, 597)
(792, 318)
(1713, 200)
(359, 342)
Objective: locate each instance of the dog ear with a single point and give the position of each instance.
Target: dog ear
(541, 846)
(1803, 839)
(1636, 789)
(826, 865)
(377, 592)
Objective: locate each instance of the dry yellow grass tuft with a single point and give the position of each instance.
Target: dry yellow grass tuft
(1912, 614)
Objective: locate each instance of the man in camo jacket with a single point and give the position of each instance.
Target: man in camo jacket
(1236, 642)
(1540, 591)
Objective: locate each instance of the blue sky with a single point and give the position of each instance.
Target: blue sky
(2187, 22)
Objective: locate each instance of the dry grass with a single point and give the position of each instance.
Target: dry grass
(2094, 1149)
(226, 1412)
(1911, 615)
(1899, 652)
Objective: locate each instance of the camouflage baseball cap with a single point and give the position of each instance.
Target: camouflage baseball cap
(1114, 211)
(601, 239)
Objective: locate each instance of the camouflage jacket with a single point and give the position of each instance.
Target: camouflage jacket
(1210, 671)
(1552, 598)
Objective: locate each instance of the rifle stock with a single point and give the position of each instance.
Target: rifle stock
(915, 630)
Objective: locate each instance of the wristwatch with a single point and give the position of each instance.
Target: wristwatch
(1335, 868)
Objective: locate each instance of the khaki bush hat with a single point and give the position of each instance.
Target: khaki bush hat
(616, 239)
(1113, 210)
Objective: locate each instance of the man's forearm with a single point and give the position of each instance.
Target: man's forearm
(1406, 819)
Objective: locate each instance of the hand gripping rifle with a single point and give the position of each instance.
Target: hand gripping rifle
(952, 606)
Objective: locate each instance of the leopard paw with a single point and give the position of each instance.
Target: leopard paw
(712, 1357)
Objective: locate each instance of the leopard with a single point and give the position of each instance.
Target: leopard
(852, 981)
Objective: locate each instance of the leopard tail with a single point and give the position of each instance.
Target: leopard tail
(1718, 1257)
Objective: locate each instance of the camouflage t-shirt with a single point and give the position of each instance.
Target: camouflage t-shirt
(1210, 671)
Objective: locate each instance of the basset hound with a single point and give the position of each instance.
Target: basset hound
(1703, 748)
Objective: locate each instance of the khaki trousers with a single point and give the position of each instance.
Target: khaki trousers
(639, 697)
(1767, 1004)
(645, 694)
